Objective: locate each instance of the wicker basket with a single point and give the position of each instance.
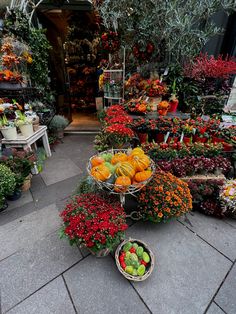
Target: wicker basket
(149, 268)
(132, 189)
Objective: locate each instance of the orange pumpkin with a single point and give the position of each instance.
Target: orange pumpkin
(137, 151)
(118, 157)
(142, 175)
(142, 108)
(96, 161)
(100, 173)
(140, 162)
(125, 168)
(121, 184)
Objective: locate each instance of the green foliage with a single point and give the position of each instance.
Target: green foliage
(87, 185)
(178, 29)
(7, 181)
(58, 123)
(40, 49)
(17, 24)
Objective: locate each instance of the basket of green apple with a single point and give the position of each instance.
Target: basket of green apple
(134, 260)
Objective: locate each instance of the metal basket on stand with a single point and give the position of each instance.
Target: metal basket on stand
(110, 187)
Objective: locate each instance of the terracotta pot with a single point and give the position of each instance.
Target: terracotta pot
(101, 253)
(216, 139)
(143, 137)
(199, 139)
(228, 147)
(173, 139)
(173, 105)
(187, 140)
(162, 112)
(159, 138)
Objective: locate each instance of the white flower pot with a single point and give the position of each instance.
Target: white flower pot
(9, 133)
(26, 129)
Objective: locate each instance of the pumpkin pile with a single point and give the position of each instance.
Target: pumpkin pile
(122, 168)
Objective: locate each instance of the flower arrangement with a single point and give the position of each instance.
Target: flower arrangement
(22, 119)
(126, 120)
(153, 87)
(163, 107)
(228, 197)
(164, 197)
(94, 222)
(110, 41)
(10, 76)
(138, 106)
(5, 123)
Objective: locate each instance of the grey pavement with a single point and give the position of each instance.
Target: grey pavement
(194, 272)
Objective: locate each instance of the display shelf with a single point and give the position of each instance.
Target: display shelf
(110, 97)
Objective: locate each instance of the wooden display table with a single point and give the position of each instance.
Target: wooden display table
(26, 142)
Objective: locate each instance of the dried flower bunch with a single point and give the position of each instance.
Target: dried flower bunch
(94, 222)
(164, 197)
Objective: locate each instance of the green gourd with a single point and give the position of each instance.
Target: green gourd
(107, 157)
(135, 273)
(111, 179)
(110, 167)
(139, 252)
(135, 245)
(129, 269)
(146, 257)
(141, 270)
(127, 246)
(133, 257)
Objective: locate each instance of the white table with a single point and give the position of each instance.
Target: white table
(26, 142)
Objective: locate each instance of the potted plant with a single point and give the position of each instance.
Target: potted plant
(8, 128)
(7, 185)
(57, 125)
(24, 123)
(119, 135)
(94, 222)
(156, 198)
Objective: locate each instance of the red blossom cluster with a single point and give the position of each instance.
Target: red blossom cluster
(120, 130)
(153, 87)
(119, 119)
(210, 67)
(110, 41)
(92, 221)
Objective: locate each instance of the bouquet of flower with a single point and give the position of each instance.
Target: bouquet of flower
(153, 87)
(138, 106)
(94, 222)
(228, 196)
(164, 197)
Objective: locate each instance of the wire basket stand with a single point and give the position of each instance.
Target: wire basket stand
(130, 190)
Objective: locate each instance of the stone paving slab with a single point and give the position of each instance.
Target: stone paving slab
(214, 309)
(16, 213)
(215, 231)
(55, 192)
(29, 269)
(187, 272)
(96, 286)
(25, 198)
(25, 230)
(231, 222)
(59, 169)
(53, 299)
(226, 297)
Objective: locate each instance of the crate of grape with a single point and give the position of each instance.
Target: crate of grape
(134, 260)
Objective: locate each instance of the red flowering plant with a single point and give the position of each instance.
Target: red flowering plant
(143, 53)
(91, 221)
(119, 134)
(204, 66)
(123, 119)
(110, 41)
(164, 197)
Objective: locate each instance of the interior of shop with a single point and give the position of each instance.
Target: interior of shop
(74, 62)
